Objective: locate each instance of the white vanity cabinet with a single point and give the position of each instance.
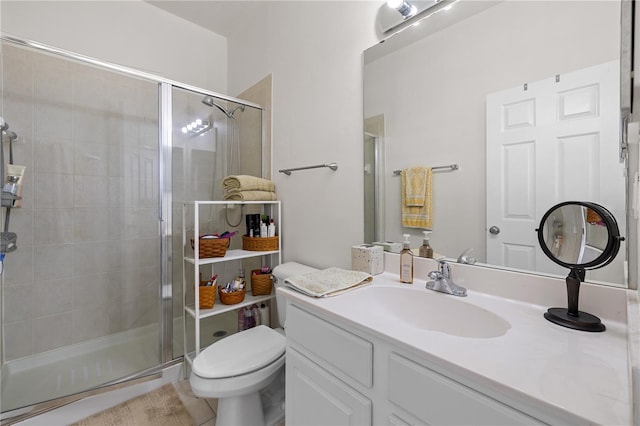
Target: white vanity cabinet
(340, 375)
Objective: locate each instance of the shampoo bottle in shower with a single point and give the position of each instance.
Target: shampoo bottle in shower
(406, 261)
(425, 248)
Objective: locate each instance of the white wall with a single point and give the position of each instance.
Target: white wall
(130, 33)
(314, 51)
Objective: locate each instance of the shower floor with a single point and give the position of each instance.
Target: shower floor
(78, 368)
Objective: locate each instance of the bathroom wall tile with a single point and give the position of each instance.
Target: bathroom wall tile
(91, 258)
(18, 303)
(52, 297)
(117, 192)
(18, 111)
(117, 227)
(90, 224)
(91, 291)
(54, 156)
(90, 323)
(90, 191)
(114, 312)
(139, 313)
(91, 159)
(92, 90)
(21, 222)
(53, 226)
(115, 167)
(52, 121)
(18, 339)
(52, 332)
(53, 262)
(142, 222)
(53, 191)
(17, 73)
(53, 79)
(19, 266)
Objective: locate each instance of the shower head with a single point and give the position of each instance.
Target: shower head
(208, 100)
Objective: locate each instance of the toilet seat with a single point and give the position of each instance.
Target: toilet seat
(240, 353)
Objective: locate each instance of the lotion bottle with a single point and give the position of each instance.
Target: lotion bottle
(425, 248)
(272, 229)
(406, 261)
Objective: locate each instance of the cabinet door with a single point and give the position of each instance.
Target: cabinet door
(437, 400)
(315, 397)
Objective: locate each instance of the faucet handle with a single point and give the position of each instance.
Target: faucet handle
(443, 267)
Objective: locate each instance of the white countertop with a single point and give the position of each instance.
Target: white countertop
(579, 376)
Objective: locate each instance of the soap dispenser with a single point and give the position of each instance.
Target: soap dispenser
(425, 248)
(406, 261)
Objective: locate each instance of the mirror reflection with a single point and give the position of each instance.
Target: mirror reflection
(575, 234)
(524, 97)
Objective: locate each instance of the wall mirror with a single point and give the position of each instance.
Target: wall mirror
(525, 98)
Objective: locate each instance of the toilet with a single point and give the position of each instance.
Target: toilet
(245, 371)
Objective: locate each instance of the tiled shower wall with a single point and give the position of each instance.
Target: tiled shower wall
(87, 263)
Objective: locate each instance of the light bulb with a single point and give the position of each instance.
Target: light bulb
(184, 130)
(394, 3)
(198, 121)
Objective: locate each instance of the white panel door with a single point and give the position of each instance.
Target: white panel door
(555, 140)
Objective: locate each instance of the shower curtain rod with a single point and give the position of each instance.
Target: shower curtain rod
(450, 167)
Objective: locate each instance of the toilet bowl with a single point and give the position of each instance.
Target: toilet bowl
(245, 371)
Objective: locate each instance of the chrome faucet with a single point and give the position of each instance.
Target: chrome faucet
(442, 281)
(465, 258)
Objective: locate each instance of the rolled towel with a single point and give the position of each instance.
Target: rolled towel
(250, 196)
(247, 183)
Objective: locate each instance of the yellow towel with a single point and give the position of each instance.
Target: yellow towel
(250, 196)
(247, 183)
(415, 215)
(415, 186)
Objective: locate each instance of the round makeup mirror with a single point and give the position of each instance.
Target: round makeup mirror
(580, 236)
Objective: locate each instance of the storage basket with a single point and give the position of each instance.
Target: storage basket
(260, 244)
(207, 296)
(212, 247)
(231, 298)
(261, 284)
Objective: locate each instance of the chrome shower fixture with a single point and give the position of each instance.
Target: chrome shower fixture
(209, 101)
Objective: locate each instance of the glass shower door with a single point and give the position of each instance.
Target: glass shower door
(81, 293)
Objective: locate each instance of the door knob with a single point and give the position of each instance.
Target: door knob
(494, 230)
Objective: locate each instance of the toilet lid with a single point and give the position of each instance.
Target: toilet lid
(240, 353)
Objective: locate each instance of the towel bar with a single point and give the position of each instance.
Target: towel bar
(450, 167)
(332, 166)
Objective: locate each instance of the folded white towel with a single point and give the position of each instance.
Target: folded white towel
(247, 183)
(250, 196)
(328, 282)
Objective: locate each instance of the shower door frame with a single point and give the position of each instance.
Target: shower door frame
(165, 289)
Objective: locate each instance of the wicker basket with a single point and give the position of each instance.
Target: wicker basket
(261, 284)
(207, 296)
(260, 244)
(212, 247)
(231, 298)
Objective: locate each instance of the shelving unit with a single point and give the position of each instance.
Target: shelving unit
(191, 308)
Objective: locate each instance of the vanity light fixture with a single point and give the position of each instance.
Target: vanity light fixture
(196, 127)
(406, 9)
(395, 15)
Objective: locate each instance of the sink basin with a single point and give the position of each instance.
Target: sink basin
(431, 311)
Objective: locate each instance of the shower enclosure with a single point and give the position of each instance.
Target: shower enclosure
(89, 298)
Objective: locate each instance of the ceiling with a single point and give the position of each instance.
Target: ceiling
(222, 17)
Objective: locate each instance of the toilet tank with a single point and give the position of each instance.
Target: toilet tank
(281, 273)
